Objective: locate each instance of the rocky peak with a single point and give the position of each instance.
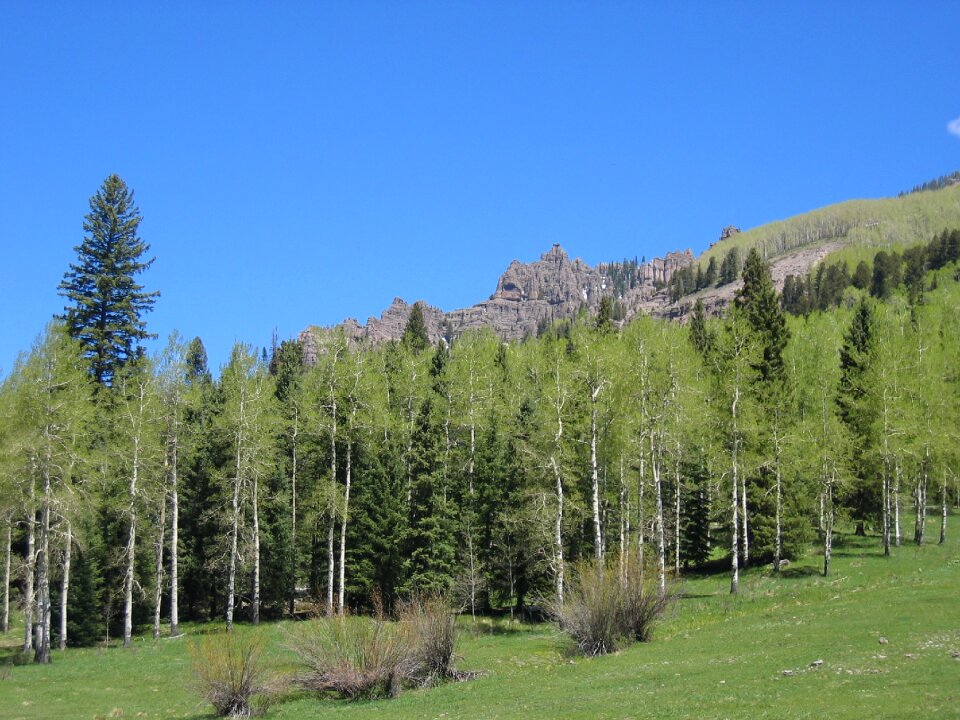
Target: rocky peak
(527, 296)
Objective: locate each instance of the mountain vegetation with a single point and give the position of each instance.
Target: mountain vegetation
(138, 488)
(579, 473)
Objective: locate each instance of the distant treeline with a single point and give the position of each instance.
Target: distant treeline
(825, 287)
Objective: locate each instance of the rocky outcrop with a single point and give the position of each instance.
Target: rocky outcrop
(528, 297)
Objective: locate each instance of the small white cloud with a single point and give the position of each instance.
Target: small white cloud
(953, 127)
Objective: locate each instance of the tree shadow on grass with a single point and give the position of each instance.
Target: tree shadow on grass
(796, 573)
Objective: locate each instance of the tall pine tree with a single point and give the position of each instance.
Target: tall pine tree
(106, 304)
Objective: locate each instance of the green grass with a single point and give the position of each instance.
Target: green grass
(715, 656)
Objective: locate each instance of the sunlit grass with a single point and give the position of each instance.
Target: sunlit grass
(795, 646)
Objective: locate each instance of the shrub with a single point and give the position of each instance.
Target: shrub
(431, 626)
(373, 657)
(353, 657)
(608, 606)
(230, 672)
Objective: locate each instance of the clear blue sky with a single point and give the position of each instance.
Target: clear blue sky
(299, 162)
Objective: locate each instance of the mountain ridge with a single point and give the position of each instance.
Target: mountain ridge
(531, 295)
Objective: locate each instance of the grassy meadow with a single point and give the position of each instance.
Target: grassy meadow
(880, 638)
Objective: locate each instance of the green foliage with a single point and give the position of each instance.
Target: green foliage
(415, 335)
(107, 304)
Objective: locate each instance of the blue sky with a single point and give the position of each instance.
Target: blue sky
(300, 162)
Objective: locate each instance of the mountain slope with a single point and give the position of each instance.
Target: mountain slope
(529, 296)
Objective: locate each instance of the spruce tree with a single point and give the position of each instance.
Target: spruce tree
(415, 334)
(106, 304)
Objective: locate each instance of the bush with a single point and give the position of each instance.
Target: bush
(431, 626)
(230, 672)
(374, 657)
(608, 606)
(353, 657)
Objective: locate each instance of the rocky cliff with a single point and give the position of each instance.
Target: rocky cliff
(528, 297)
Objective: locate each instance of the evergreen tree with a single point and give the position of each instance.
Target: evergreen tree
(699, 333)
(730, 267)
(107, 304)
(710, 276)
(415, 334)
(857, 357)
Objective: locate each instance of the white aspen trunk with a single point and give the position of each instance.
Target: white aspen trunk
(898, 535)
(130, 553)
(235, 521)
(330, 564)
(778, 539)
(293, 514)
(594, 480)
(820, 524)
(743, 517)
(885, 501)
(641, 520)
(661, 550)
(29, 569)
(558, 530)
(471, 550)
(255, 606)
(828, 527)
(343, 528)
(8, 545)
(65, 585)
(676, 515)
(943, 519)
(174, 538)
(42, 651)
(158, 568)
(624, 519)
(734, 565)
(922, 481)
(778, 478)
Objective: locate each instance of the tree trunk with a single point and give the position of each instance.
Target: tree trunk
(896, 504)
(174, 541)
(943, 513)
(743, 518)
(293, 515)
(734, 524)
(885, 500)
(234, 528)
(255, 605)
(130, 555)
(558, 530)
(331, 564)
(676, 514)
(158, 568)
(828, 529)
(655, 468)
(8, 546)
(921, 501)
(29, 568)
(65, 584)
(594, 480)
(42, 651)
(331, 568)
(343, 528)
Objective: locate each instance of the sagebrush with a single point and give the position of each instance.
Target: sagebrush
(368, 657)
(230, 672)
(608, 605)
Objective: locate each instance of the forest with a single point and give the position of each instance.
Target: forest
(140, 490)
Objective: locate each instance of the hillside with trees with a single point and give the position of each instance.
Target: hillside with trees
(140, 490)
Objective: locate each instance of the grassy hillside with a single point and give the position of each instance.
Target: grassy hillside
(899, 221)
(757, 655)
